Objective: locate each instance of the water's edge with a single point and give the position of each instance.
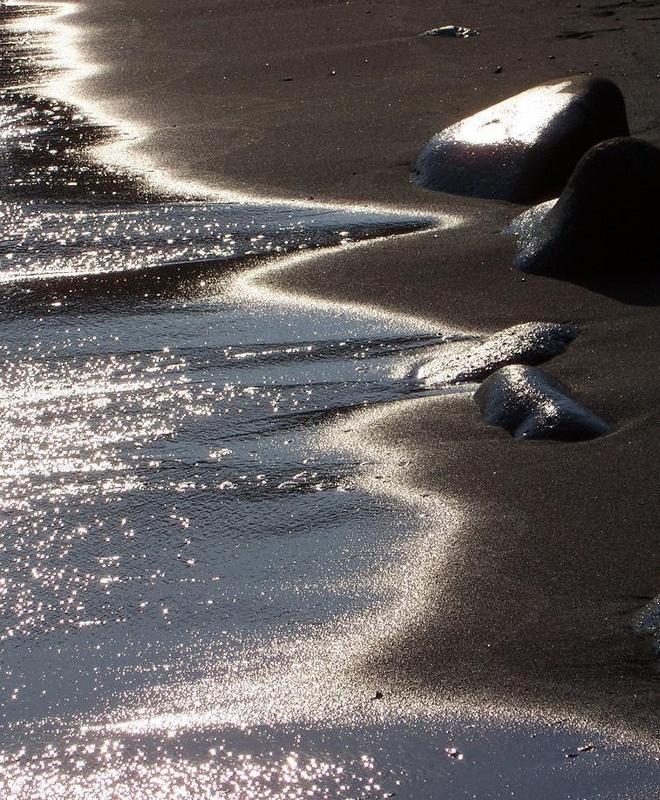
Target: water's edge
(302, 681)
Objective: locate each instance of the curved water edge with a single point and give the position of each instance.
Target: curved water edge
(249, 705)
(66, 69)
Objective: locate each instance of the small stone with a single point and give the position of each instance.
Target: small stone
(451, 32)
(587, 748)
(531, 404)
(498, 70)
(646, 622)
(529, 343)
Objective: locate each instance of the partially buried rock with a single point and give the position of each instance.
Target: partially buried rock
(523, 149)
(604, 227)
(647, 623)
(530, 343)
(532, 405)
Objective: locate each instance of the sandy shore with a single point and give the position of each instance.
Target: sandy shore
(332, 100)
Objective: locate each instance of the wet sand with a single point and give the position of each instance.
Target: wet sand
(333, 101)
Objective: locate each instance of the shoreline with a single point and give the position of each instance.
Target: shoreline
(446, 519)
(608, 686)
(128, 143)
(478, 668)
(137, 99)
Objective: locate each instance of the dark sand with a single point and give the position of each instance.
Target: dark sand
(333, 100)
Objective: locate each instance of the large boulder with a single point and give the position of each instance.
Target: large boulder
(532, 405)
(523, 149)
(530, 343)
(604, 227)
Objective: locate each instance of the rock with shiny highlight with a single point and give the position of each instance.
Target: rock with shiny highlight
(523, 149)
(531, 404)
(530, 343)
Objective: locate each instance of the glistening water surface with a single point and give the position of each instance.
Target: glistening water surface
(186, 576)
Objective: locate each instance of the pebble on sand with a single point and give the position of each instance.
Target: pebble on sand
(530, 343)
(451, 32)
(531, 404)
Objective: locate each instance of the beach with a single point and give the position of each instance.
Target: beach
(332, 101)
(530, 609)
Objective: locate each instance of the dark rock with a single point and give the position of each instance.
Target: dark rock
(532, 405)
(524, 149)
(647, 623)
(530, 343)
(604, 227)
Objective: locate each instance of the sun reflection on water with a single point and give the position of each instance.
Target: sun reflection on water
(194, 565)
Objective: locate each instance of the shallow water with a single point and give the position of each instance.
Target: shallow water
(186, 574)
(158, 480)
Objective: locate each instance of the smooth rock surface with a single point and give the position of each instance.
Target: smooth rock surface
(530, 343)
(604, 227)
(532, 405)
(523, 149)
